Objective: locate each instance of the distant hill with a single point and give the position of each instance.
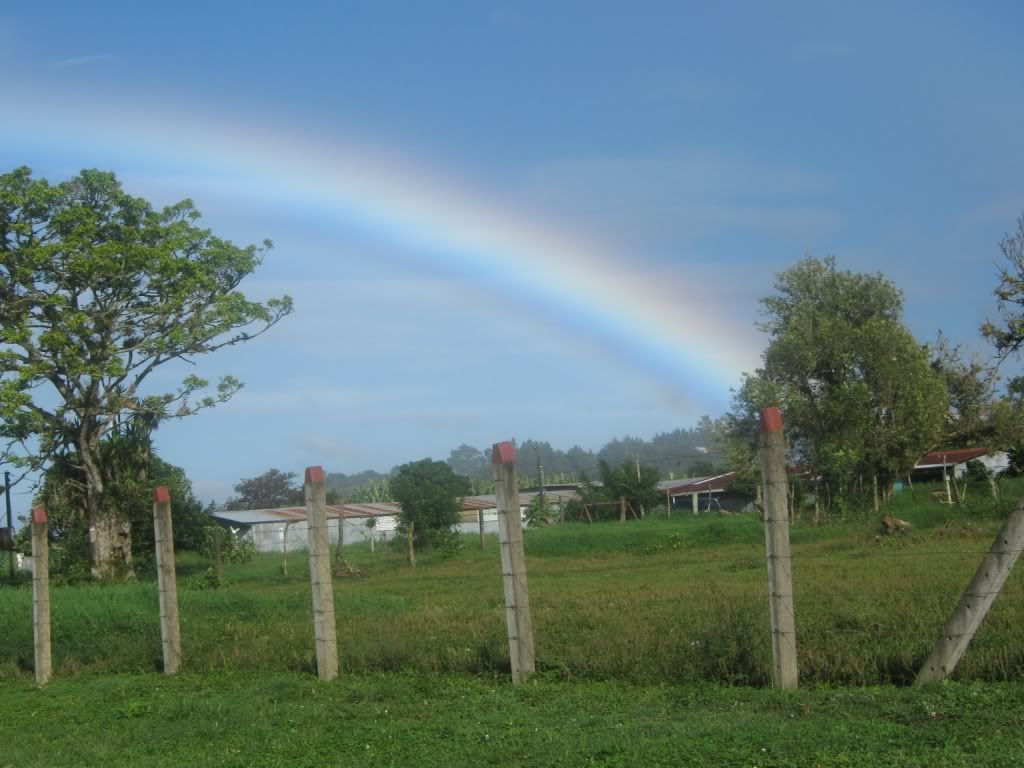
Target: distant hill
(680, 453)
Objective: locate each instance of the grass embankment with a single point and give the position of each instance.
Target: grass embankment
(651, 601)
(399, 720)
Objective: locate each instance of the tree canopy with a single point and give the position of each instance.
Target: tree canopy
(429, 493)
(1007, 335)
(858, 393)
(271, 489)
(97, 291)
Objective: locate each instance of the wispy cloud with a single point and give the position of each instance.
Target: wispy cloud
(82, 61)
(686, 193)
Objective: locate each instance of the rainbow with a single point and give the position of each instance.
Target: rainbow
(663, 329)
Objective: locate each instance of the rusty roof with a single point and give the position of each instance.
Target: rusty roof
(697, 484)
(949, 458)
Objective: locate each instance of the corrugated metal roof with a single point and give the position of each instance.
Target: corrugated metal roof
(375, 509)
(295, 514)
(698, 484)
(370, 509)
(949, 458)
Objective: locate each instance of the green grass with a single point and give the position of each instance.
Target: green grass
(654, 601)
(637, 627)
(292, 721)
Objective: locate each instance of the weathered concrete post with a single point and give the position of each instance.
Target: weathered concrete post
(480, 517)
(167, 584)
(324, 629)
(513, 563)
(218, 559)
(976, 600)
(41, 596)
(776, 537)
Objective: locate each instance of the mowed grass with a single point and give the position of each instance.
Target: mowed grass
(655, 601)
(293, 721)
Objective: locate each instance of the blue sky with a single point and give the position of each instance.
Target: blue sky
(547, 220)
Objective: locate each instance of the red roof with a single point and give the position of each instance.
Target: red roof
(950, 457)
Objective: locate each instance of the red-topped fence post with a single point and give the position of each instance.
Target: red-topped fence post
(41, 596)
(776, 538)
(324, 629)
(513, 562)
(167, 582)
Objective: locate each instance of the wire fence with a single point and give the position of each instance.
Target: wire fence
(663, 609)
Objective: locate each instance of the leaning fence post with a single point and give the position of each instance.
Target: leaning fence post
(776, 538)
(324, 629)
(41, 596)
(167, 585)
(513, 562)
(976, 600)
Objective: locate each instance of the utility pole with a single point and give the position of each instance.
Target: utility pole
(636, 460)
(543, 499)
(10, 523)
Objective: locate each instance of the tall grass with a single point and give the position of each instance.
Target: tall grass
(676, 599)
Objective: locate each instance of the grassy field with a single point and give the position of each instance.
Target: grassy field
(655, 601)
(652, 649)
(292, 721)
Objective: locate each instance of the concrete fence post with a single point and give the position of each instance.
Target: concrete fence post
(776, 537)
(324, 629)
(167, 583)
(513, 563)
(976, 600)
(41, 596)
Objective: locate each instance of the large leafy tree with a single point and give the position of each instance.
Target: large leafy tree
(638, 484)
(429, 493)
(97, 291)
(62, 493)
(1007, 334)
(858, 394)
(273, 488)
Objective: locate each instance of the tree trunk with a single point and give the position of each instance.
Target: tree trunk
(412, 551)
(110, 545)
(110, 532)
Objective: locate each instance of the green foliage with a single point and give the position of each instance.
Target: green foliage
(858, 394)
(446, 720)
(638, 484)
(270, 490)
(234, 547)
(867, 609)
(62, 494)
(373, 492)
(539, 512)
(429, 493)
(1007, 335)
(700, 468)
(599, 501)
(973, 418)
(97, 291)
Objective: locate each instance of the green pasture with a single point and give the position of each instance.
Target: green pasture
(645, 602)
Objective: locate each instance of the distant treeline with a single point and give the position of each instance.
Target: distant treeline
(679, 453)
